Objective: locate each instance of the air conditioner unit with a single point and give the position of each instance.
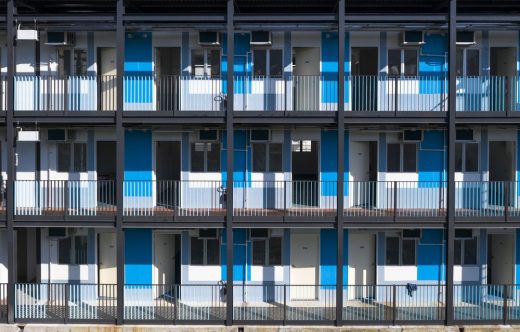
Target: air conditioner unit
(466, 38)
(412, 38)
(209, 38)
(260, 38)
(210, 233)
(61, 135)
(259, 135)
(27, 35)
(412, 136)
(28, 136)
(465, 135)
(60, 38)
(208, 135)
(461, 234)
(57, 232)
(411, 234)
(259, 233)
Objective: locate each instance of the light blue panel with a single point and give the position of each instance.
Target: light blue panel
(382, 153)
(138, 256)
(328, 257)
(517, 256)
(286, 151)
(484, 54)
(241, 267)
(91, 54)
(483, 255)
(484, 151)
(138, 68)
(185, 53)
(383, 53)
(138, 164)
(287, 54)
(91, 151)
(185, 152)
(242, 65)
(430, 255)
(381, 258)
(432, 156)
(329, 66)
(242, 156)
(329, 160)
(518, 163)
(432, 63)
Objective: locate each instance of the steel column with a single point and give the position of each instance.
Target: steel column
(10, 133)
(452, 63)
(341, 160)
(120, 161)
(229, 167)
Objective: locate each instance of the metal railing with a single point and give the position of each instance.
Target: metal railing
(64, 197)
(3, 93)
(65, 93)
(488, 94)
(3, 303)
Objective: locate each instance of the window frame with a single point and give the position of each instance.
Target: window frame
(72, 163)
(463, 251)
(465, 61)
(267, 157)
(73, 59)
(205, 158)
(266, 241)
(72, 259)
(400, 250)
(267, 61)
(207, 64)
(205, 251)
(463, 157)
(402, 64)
(401, 157)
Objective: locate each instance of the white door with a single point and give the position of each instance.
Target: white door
(108, 72)
(306, 78)
(304, 266)
(164, 259)
(502, 247)
(107, 263)
(360, 170)
(361, 264)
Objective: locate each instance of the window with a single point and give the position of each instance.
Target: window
(72, 62)
(402, 62)
(468, 62)
(72, 250)
(267, 62)
(72, 157)
(301, 146)
(465, 251)
(267, 251)
(401, 157)
(205, 62)
(205, 251)
(400, 251)
(205, 157)
(466, 157)
(267, 157)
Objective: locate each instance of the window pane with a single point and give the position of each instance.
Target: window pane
(410, 157)
(197, 251)
(64, 68)
(471, 157)
(393, 158)
(472, 63)
(394, 62)
(214, 63)
(275, 251)
(258, 252)
(276, 63)
(80, 248)
(197, 157)
(64, 250)
(212, 252)
(458, 157)
(410, 62)
(408, 252)
(460, 62)
(259, 63)
(392, 251)
(457, 260)
(213, 157)
(259, 155)
(470, 252)
(275, 157)
(63, 157)
(80, 157)
(197, 62)
(80, 62)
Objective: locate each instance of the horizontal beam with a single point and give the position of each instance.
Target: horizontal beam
(175, 18)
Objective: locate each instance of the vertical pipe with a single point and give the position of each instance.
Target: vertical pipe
(120, 162)
(451, 158)
(229, 170)
(11, 10)
(341, 158)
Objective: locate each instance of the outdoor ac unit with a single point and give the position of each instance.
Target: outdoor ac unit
(61, 135)
(259, 233)
(210, 233)
(57, 232)
(412, 136)
(260, 38)
(27, 35)
(466, 38)
(60, 38)
(209, 38)
(28, 136)
(259, 135)
(411, 234)
(464, 135)
(463, 234)
(412, 38)
(208, 135)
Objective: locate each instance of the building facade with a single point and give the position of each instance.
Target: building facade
(248, 162)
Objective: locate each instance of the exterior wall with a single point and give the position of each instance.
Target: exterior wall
(3, 256)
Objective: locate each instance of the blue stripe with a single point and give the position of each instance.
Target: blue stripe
(328, 257)
(138, 62)
(138, 256)
(430, 258)
(431, 164)
(329, 66)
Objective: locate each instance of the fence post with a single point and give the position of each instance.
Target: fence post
(284, 304)
(175, 304)
(508, 101)
(66, 93)
(395, 201)
(506, 199)
(505, 309)
(66, 200)
(394, 304)
(67, 296)
(396, 94)
(285, 198)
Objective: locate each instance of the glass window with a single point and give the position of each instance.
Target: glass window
(460, 62)
(393, 158)
(197, 251)
(275, 157)
(80, 250)
(470, 252)
(80, 157)
(275, 251)
(410, 157)
(72, 250)
(259, 249)
(410, 62)
(472, 62)
(408, 252)
(457, 259)
(64, 154)
(197, 62)
(214, 62)
(64, 250)
(392, 251)
(205, 157)
(458, 157)
(212, 252)
(276, 63)
(197, 157)
(260, 62)
(259, 157)
(471, 157)
(394, 62)
(80, 62)
(213, 157)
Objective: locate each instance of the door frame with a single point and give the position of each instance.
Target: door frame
(317, 276)
(513, 258)
(166, 232)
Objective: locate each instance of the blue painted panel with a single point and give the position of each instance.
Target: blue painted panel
(185, 152)
(517, 257)
(242, 61)
(138, 62)
(328, 257)
(430, 255)
(329, 160)
(138, 155)
(138, 256)
(432, 156)
(185, 53)
(432, 63)
(242, 156)
(241, 259)
(329, 66)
